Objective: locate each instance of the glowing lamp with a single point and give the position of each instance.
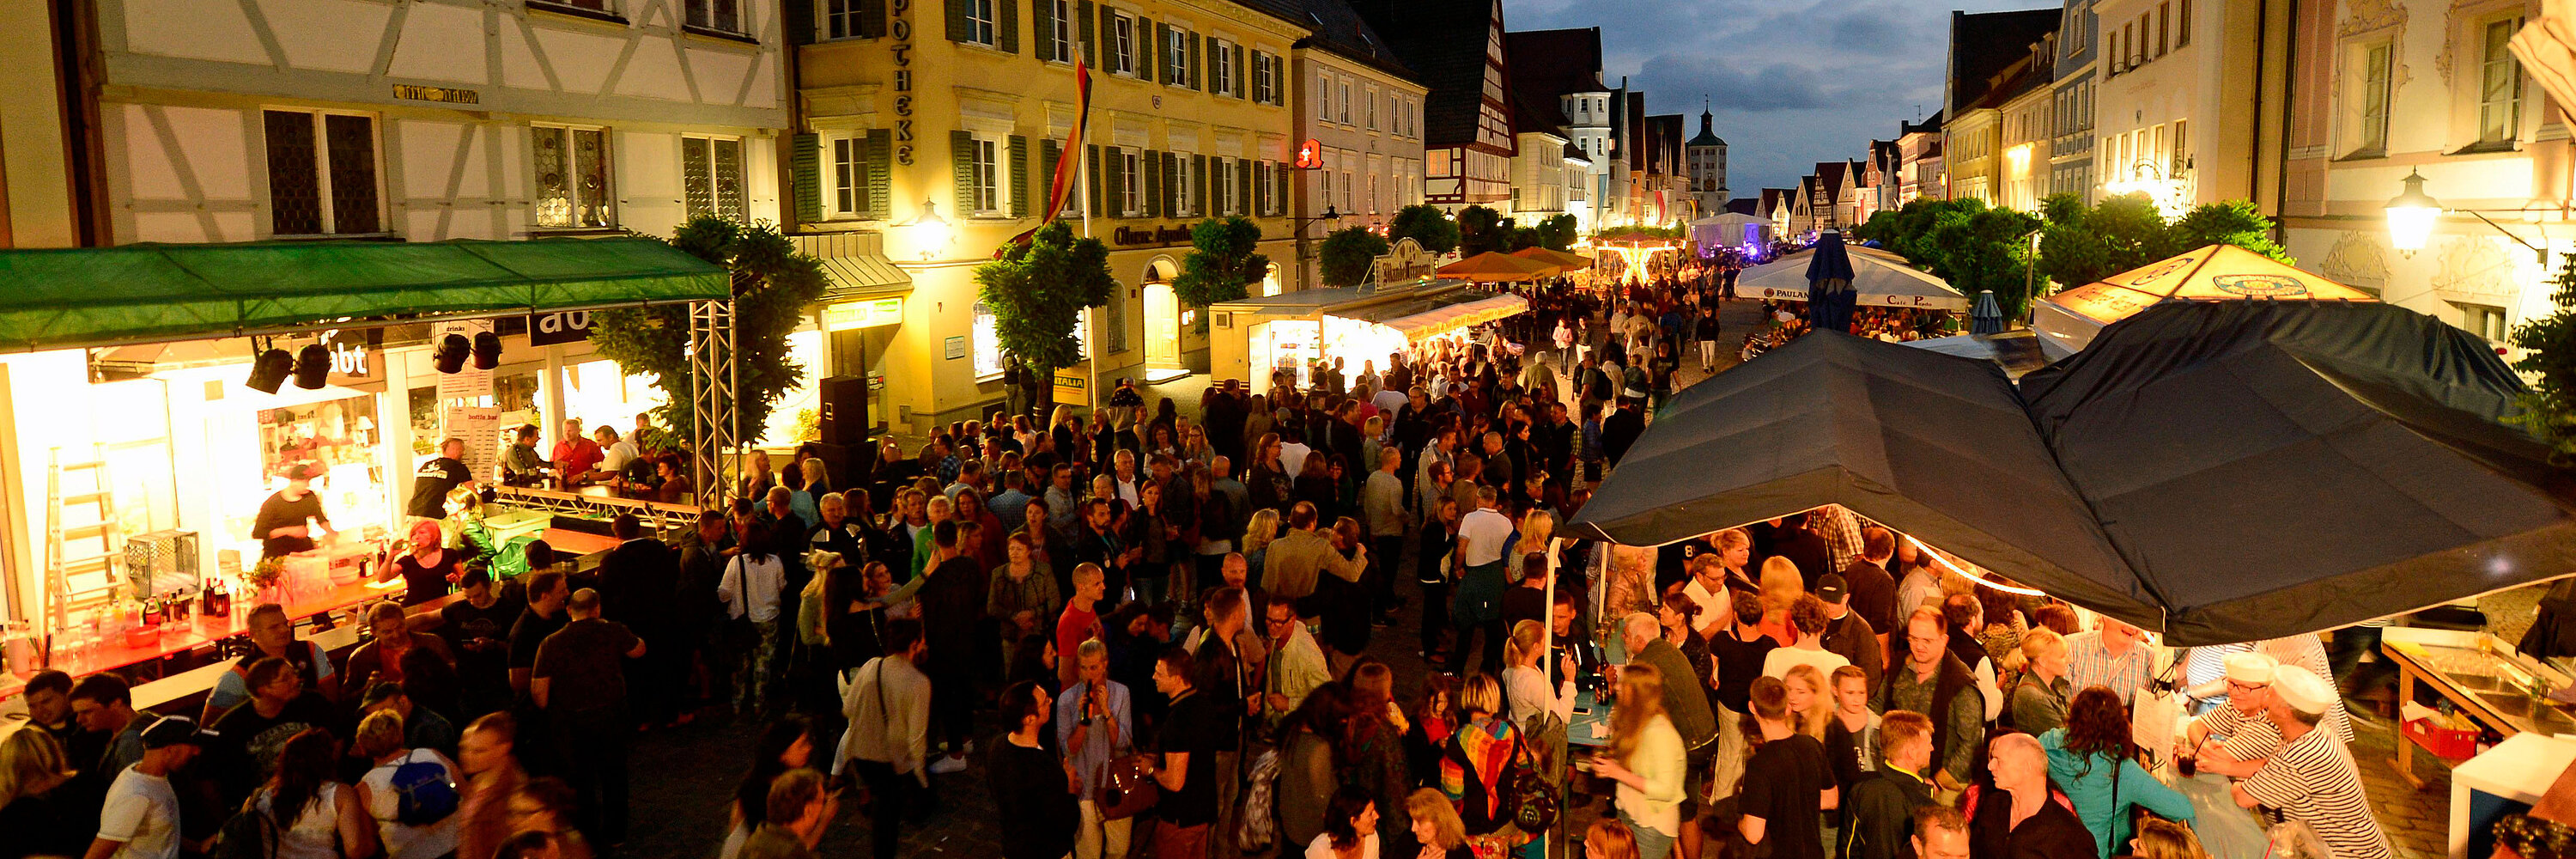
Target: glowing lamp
(2411, 215)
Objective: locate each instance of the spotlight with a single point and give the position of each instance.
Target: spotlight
(312, 366)
(449, 357)
(487, 351)
(269, 370)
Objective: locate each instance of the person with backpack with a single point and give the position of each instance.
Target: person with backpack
(303, 813)
(411, 793)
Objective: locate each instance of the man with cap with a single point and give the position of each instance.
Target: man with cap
(284, 526)
(1846, 632)
(2310, 778)
(140, 819)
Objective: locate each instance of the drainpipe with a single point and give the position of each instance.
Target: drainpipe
(2289, 80)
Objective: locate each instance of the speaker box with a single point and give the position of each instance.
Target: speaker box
(844, 419)
(842, 464)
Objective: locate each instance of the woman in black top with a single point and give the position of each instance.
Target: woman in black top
(1787, 784)
(788, 744)
(1680, 617)
(1314, 485)
(32, 767)
(428, 569)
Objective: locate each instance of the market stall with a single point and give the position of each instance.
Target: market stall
(1290, 331)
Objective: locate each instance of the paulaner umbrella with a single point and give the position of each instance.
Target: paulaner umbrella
(1829, 292)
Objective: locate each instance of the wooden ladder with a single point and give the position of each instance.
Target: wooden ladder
(81, 557)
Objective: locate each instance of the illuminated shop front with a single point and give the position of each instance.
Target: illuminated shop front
(1358, 325)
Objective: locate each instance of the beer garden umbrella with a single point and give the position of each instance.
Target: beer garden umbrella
(1497, 266)
(1560, 259)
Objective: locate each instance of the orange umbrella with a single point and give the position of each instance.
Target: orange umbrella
(1494, 266)
(1554, 257)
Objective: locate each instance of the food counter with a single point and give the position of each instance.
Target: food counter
(2483, 679)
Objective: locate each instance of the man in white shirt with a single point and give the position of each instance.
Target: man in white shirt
(888, 706)
(1297, 663)
(140, 819)
(1478, 568)
(1807, 616)
(1293, 451)
(614, 453)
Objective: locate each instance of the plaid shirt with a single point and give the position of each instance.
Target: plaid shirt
(2089, 664)
(1841, 531)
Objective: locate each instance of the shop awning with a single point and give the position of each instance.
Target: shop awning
(64, 298)
(2218, 471)
(862, 278)
(1437, 314)
(2213, 273)
(1880, 279)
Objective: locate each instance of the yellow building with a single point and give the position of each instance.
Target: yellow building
(930, 134)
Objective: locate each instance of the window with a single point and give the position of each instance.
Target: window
(711, 176)
(2499, 84)
(2129, 37)
(1131, 199)
(1176, 58)
(2372, 136)
(1372, 194)
(1221, 67)
(1346, 101)
(2181, 158)
(1372, 111)
(1326, 176)
(1122, 56)
(988, 184)
(592, 5)
(987, 345)
(326, 183)
(2182, 25)
(979, 20)
(1060, 32)
(849, 177)
(842, 19)
(1229, 190)
(2164, 27)
(1265, 78)
(1185, 187)
(572, 178)
(2482, 320)
(2118, 61)
(722, 15)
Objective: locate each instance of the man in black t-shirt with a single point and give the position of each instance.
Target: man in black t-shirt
(545, 614)
(282, 527)
(254, 731)
(1186, 769)
(436, 478)
(580, 681)
(477, 629)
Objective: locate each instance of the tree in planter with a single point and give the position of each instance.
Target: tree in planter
(1037, 292)
(1348, 254)
(1426, 226)
(773, 285)
(2549, 361)
(1480, 229)
(1222, 263)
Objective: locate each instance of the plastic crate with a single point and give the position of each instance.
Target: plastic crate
(2450, 744)
(162, 562)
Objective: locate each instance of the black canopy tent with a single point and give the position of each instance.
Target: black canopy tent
(2219, 472)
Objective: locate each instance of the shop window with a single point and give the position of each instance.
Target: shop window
(322, 173)
(719, 15)
(985, 345)
(572, 178)
(711, 176)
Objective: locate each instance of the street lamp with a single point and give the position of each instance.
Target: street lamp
(929, 231)
(2411, 214)
(1299, 224)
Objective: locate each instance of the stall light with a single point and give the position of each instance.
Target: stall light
(2411, 214)
(312, 366)
(450, 355)
(270, 370)
(2010, 589)
(487, 351)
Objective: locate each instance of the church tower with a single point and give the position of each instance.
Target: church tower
(1706, 155)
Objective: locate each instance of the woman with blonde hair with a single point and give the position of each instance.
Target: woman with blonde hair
(810, 620)
(1537, 528)
(1478, 755)
(1525, 681)
(1258, 531)
(1436, 826)
(2159, 838)
(1646, 759)
(32, 765)
(1811, 701)
(1781, 588)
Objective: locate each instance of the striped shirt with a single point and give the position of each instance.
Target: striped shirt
(2090, 664)
(2311, 780)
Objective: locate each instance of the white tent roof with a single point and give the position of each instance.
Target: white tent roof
(1881, 278)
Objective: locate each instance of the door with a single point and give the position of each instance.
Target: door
(1162, 328)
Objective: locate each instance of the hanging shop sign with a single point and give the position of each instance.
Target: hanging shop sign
(862, 314)
(548, 329)
(355, 357)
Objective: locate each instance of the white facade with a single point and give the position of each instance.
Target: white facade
(1367, 123)
(1587, 116)
(2174, 113)
(428, 121)
(1538, 178)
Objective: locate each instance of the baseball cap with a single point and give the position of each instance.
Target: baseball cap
(2302, 689)
(169, 731)
(1830, 588)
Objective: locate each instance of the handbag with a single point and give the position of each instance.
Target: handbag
(1529, 800)
(1260, 826)
(1127, 787)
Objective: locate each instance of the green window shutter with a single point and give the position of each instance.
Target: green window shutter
(1019, 176)
(880, 153)
(800, 21)
(1243, 170)
(1171, 184)
(1197, 80)
(1042, 28)
(1152, 165)
(1162, 54)
(961, 21)
(1006, 25)
(1201, 182)
(1082, 32)
(872, 19)
(1047, 158)
(1096, 182)
(1279, 198)
(961, 161)
(1254, 191)
(805, 164)
(1242, 75)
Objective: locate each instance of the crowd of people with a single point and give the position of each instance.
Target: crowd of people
(1172, 616)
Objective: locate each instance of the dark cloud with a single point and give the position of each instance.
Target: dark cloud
(1792, 82)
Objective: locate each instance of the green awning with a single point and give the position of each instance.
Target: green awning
(64, 298)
